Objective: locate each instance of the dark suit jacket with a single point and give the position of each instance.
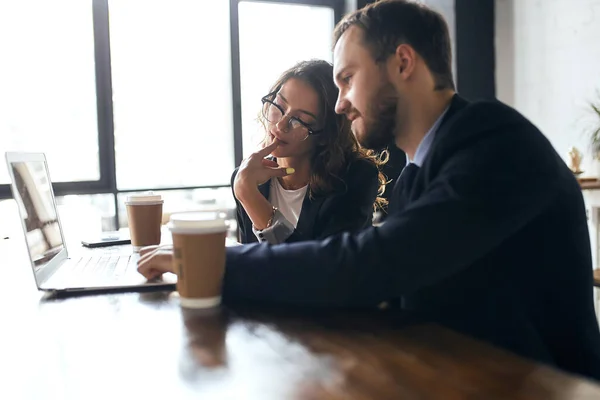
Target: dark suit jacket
(350, 209)
(492, 241)
(392, 169)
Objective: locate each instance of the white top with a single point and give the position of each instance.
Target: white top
(289, 202)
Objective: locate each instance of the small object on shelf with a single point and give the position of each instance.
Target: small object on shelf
(575, 157)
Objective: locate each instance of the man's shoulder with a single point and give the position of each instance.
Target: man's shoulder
(495, 137)
(477, 121)
(486, 114)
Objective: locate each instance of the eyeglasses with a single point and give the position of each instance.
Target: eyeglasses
(273, 113)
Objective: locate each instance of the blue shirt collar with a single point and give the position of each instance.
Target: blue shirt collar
(425, 145)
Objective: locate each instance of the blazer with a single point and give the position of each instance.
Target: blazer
(350, 209)
(491, 240)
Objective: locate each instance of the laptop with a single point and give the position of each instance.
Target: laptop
(55, 270)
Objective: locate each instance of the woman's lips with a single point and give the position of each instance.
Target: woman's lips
(273, 137)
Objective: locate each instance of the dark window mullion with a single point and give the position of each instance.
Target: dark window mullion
(104, 98)
(5, 192)
(236, 94)
(173, 188)
(339, 8)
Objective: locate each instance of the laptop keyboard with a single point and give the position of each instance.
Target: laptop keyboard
(94, 270)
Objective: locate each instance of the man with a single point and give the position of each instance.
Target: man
(486, 232)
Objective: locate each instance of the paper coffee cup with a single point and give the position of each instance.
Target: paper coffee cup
(144, 213)
(198, 257)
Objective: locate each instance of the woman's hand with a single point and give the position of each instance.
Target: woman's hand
(155, 261)
(256, 170)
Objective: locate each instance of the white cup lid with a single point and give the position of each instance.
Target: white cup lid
(197, 222)
(143, 198)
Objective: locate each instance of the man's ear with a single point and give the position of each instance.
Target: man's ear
(404, 59)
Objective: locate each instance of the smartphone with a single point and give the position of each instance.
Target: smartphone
(105, 241)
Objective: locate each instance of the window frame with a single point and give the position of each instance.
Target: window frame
(107, 184)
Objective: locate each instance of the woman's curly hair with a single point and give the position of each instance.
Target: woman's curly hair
(336, 147)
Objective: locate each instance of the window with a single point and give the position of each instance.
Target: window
(134, 95)
(171, 75)
(273, 37)
(84, 216)
(81, 216)
(47, 85)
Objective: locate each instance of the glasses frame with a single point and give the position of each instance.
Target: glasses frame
(268, 99)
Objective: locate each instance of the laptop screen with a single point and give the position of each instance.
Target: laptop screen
(38, 210)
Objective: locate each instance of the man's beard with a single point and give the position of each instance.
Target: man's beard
(380, 120)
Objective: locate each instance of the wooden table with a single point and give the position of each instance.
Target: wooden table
(144, 346)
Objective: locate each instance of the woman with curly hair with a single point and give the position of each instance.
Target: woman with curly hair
(311, 179)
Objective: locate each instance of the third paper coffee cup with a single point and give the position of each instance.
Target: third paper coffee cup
(198, 257)
(144, 213)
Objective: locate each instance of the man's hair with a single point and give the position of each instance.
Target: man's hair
(387, 24)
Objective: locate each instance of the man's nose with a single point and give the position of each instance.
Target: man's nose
(341, 105)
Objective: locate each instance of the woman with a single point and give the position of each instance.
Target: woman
(318, 181)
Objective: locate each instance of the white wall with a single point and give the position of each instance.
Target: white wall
(548, 66)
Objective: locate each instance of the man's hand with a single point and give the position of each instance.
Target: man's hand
(155, 261)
